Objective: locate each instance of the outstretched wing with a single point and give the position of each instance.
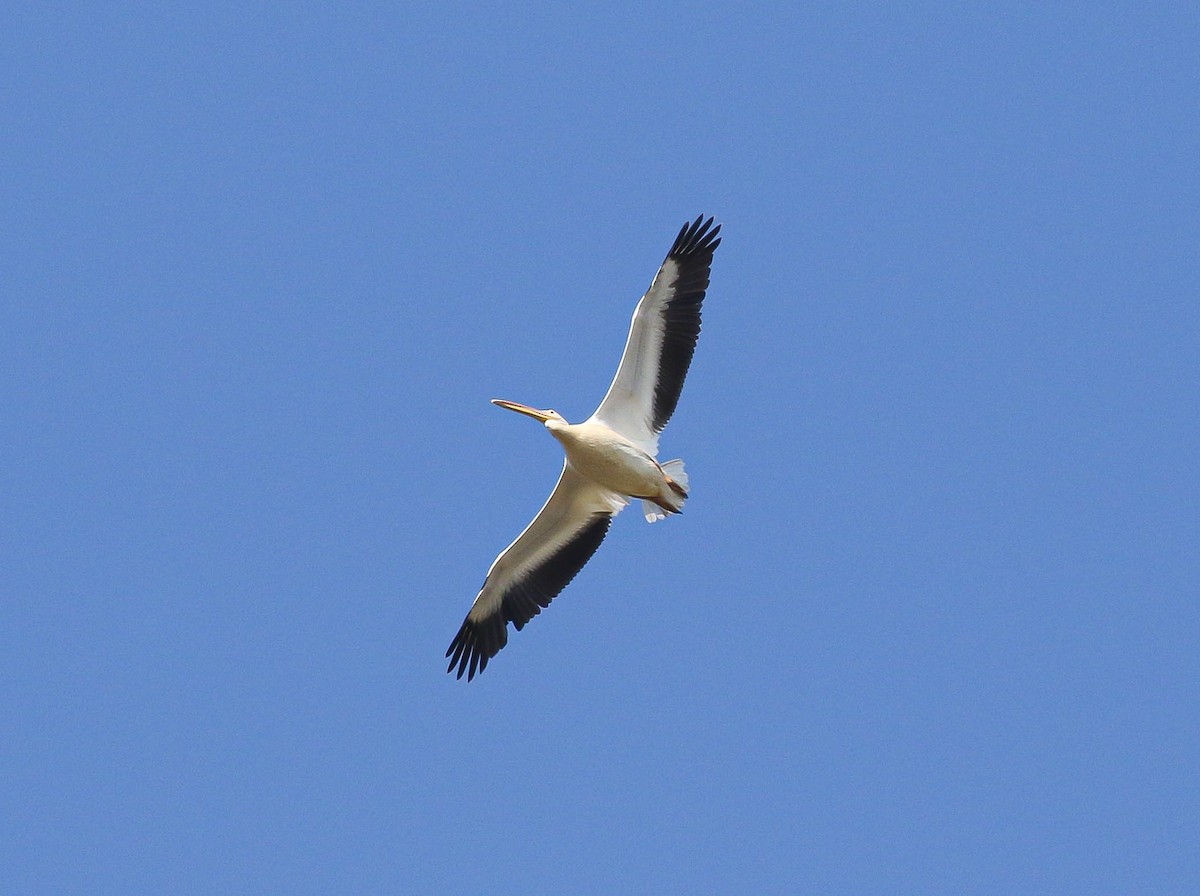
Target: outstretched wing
(662, 338)
(531, 571)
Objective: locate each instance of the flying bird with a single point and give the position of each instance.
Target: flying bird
(610, 457)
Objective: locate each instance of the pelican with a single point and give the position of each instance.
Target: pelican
(610, 457)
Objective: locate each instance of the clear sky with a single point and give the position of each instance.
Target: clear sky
(929, 624)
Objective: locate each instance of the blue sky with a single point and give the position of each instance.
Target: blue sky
(929, 624)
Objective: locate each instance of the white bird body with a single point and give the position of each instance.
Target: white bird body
(614, 462)
(610, 457)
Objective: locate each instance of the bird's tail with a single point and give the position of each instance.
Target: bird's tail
(672, 500)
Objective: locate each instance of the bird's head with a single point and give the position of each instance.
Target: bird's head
(548, 417)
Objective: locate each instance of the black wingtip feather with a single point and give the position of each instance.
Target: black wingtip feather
(475, 644)
(698, 238)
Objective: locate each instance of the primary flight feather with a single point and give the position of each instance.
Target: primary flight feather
(610, 457)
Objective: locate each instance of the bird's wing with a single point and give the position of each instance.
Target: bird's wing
(531, 571)
(662, 338)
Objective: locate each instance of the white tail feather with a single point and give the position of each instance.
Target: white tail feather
(653, 512)
(674, 469)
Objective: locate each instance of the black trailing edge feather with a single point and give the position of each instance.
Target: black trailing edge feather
(479, 641)
(693, 254)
